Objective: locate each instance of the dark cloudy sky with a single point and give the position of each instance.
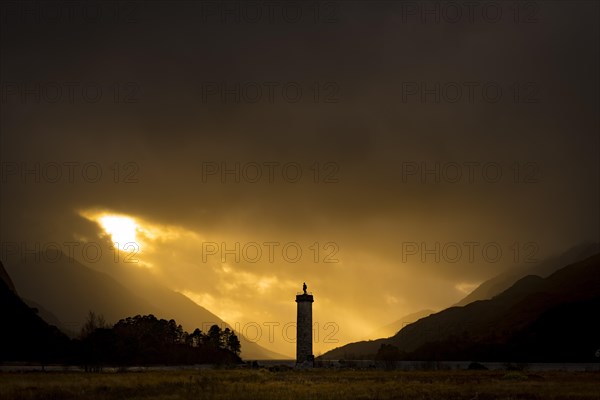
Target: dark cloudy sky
(418, 130)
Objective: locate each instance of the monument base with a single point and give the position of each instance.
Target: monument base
(305, 365)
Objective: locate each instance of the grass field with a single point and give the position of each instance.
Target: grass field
(314, 384)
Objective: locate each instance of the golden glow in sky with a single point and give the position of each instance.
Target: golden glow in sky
(134, 235)
(237, 290)
(123, 230)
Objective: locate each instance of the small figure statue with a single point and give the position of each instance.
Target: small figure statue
(304, 287)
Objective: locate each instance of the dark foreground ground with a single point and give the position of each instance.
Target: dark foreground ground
(315, 384)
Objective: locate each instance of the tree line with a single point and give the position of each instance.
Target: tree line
(147, 340)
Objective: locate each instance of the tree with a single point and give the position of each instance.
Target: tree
(215, 336)
(98, 348)
(233, 344)
(196, 338)
(147, 340)
(94, 321)
(230, 341)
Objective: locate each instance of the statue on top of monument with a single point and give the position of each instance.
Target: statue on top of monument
(304, 287)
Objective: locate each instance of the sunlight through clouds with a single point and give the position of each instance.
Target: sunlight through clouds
(238, 290)
(123, 230)
(136, 236)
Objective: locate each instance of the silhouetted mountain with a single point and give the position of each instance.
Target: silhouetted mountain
(24, 335)
(68, 290)
(500, 283)
(394, 327)
(47, 316)
(6, 279)
(524, 323)
(138, 340)
(143, 284)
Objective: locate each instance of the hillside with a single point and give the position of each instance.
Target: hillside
(24, 335)
(5, 278)
(394, 327)
(143, 284)
(68, 290)
(525, 322)
(49, 317)
(501, 282)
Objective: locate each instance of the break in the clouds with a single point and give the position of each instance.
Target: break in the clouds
(407, 155)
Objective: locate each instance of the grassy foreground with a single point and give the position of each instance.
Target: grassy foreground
(315, 384)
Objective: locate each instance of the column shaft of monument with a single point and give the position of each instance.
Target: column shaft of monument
(304, 329)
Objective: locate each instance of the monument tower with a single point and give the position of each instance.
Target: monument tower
(304, 355)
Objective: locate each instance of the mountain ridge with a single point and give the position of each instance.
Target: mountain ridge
(503, 326)
(54, 285)
(24, 335)
(501, 282)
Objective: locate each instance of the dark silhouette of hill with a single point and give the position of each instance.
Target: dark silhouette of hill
(526, 322)
(143, 284)
(500, 283)
(139, 340)
(68, 290)
(8, 283)
(24, 335)
(394, 327)
(49, 317)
